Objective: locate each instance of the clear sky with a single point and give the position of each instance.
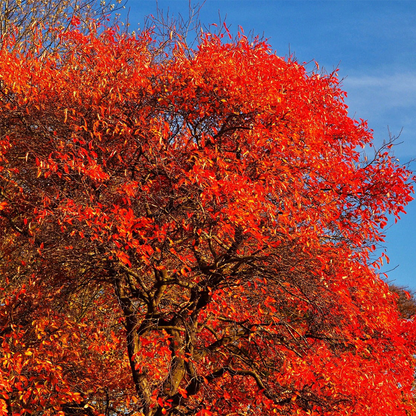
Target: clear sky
(373, 43)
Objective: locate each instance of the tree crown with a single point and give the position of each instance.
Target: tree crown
(194, 229)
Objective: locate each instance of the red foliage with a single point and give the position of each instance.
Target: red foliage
(189, 233)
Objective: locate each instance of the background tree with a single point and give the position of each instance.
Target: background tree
(189, 233)
(406, 302)
(25, 19)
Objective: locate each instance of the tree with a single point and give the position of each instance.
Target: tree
(190, 233)
(26, 18)
(406, 301)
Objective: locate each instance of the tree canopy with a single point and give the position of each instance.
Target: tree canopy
(190, 233)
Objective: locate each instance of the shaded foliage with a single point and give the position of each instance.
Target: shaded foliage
(406, 302)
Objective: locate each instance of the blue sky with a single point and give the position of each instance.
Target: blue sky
(373, 43)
